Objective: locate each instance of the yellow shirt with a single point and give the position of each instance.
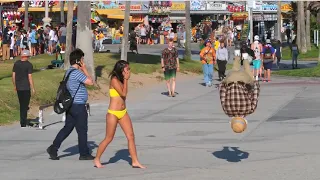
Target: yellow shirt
(216, 45)
(100, 36)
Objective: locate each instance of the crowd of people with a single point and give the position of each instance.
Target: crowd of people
(37, 39)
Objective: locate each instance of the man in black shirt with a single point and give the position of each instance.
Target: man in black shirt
(6, 44)
(23, 83)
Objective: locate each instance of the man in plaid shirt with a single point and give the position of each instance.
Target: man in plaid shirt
(239, 92)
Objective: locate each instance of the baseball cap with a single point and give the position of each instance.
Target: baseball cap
(256, 38)
(25, 53)
(268, 41)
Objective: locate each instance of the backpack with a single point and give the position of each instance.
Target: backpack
(64, 99)
(25, 40)
(268, 53)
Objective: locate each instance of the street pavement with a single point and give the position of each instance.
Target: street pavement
(183, 138)
(195, 51)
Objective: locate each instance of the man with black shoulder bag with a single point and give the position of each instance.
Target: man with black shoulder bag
(77, 77)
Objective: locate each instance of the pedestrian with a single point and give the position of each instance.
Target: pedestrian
(256, 46)
(117, 113)
(170, 65)
(294, 53)
(222, 60)
(208, 59)
(278, 53)
(23, 84)
(268, 54)
(76, 116)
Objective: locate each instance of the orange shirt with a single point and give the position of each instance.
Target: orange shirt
(208, 54)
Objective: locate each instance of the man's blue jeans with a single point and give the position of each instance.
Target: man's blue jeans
(207, 73)
(77, 117)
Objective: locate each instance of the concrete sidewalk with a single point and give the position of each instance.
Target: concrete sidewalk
(187, 137)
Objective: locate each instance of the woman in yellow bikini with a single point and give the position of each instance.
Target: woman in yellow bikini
(117, 113)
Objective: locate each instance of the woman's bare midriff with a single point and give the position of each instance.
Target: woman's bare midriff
(117, 104)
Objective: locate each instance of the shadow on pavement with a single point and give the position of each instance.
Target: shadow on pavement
(288, 65)
(140, 58)
(73, 150)
(231, 154)
(122, 154)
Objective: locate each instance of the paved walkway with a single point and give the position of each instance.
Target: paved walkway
(184, 138)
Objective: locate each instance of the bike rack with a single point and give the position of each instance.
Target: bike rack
(44, 107)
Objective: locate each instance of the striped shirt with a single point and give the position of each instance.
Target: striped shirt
(77, 78)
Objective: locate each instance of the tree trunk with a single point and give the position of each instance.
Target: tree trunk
(318, 20)
(187, 52)
(308, 36)
(69, 35)
(62, 11)
(303, 28)
(124, 45)
(26, 15)
(279, 24)
(84, 35)
(298, 33)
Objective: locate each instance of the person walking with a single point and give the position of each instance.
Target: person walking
(23, 84)
(208, 59)
(76, 116)
(256, 46)
(222, 60)
(278, 53)
(170, 66)
(268, 54)
(117, 113)
(294, 53)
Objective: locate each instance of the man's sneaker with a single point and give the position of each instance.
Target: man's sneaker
(87, 157)
(62, 52)
(52, 151)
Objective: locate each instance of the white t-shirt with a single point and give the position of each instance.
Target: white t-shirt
(143, 31)
(55, 38)
(12, 42)
(171, 35)
(51, 35)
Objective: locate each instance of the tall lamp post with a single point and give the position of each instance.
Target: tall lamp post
(251, 5)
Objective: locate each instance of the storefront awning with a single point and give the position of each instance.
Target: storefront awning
(108, 12)
(42, 9)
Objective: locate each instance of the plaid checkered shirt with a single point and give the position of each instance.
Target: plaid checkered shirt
(239, 99)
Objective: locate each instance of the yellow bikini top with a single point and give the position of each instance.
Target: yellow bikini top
(113, 93)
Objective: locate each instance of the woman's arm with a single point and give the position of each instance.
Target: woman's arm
(116, 84)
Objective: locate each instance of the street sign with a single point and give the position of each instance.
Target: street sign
(251, 3)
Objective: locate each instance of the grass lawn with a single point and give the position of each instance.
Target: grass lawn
(305, 72)
(46, 81)
(310, 55)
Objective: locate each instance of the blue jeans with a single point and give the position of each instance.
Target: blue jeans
(77, 117)
(207, 72)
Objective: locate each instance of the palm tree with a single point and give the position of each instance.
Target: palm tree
(69, 34)
(187, 53)
(314, 7)
(302, 23)
(308, 36)
(26, 15)
(298, 33)
(62, 11)
(84, 35)
(124, 45)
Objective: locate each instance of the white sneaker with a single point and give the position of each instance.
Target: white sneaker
(62, 52)
(257, 78)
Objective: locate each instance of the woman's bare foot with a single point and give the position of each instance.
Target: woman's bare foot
(97, 163)
(138, 165)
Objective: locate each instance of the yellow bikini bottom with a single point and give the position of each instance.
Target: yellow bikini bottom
(118, 114)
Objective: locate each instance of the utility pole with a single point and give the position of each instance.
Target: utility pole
(125, 40)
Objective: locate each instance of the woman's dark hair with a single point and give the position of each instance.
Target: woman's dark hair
(118, 69)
